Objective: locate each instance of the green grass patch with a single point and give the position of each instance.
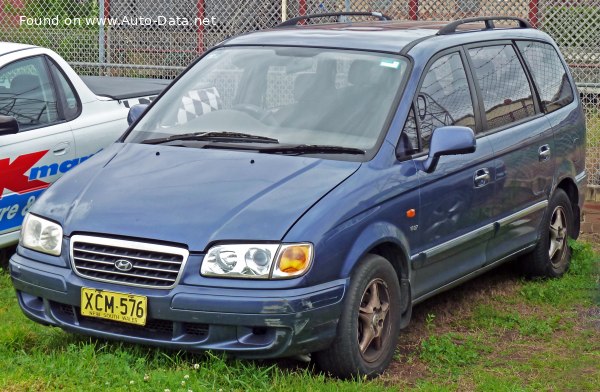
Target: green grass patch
(579, 284)
(593, 127)
(449, 351)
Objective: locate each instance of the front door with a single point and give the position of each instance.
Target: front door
(455, 219)
(40, 152)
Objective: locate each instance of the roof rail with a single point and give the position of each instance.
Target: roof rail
(294, 21)
(450, 28)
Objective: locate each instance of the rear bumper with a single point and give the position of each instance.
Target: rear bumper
(247, 323)
(581, 180)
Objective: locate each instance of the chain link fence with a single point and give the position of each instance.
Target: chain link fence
(158, 38)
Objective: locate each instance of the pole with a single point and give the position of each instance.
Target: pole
(200, 16)
(101, 37)
(413, 9)
(533, 13)
(283, 10)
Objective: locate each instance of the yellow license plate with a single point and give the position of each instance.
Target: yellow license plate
(126, 308)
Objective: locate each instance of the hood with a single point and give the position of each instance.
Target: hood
(189, 196)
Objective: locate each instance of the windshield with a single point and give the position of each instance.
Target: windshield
(286, 95)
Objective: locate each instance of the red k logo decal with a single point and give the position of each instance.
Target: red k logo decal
(12, 174)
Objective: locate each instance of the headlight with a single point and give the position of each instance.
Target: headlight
(41, 235)
(257, 261)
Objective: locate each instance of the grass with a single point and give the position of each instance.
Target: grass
(593, 127)
(496, 333)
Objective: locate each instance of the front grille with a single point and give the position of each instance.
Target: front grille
(143, 264)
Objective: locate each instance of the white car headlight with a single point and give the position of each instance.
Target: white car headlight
(41, 235)
(257, 261)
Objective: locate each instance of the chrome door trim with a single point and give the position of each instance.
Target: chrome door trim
(444, 247)
(518, 215)
(422, 257)
(580, 177)
(469, 276)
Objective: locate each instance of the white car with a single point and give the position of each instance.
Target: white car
(51, 120)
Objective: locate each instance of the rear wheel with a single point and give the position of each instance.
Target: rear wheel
(369, 324)
(552, 255)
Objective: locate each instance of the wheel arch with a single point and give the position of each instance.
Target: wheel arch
(570, 188)
(389, 242)
(397, 257)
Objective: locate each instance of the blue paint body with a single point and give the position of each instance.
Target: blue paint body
(194, 198)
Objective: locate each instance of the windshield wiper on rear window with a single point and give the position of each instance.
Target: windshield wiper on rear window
(224, 137)
(311, 149)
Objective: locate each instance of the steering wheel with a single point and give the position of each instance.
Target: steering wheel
(262, 115)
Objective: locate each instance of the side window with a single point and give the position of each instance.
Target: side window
(409, 139)
(71, 104)
(504, 86)
(26, 93)
(444, 97)
(548, 73)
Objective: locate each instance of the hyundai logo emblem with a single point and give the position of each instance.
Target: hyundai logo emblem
(123, 265)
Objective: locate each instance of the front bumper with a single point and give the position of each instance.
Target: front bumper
(249, 323)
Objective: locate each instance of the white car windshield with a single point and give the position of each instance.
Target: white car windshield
(291, 96)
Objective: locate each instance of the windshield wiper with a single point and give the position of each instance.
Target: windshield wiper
(216, 136)
(311, 149)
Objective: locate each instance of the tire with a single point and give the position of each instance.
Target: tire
(368, 327)
(552, 255)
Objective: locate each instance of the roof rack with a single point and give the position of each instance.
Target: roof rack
(450, 28)
(294, 21)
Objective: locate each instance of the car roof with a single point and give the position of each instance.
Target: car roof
(9, 47)
(386, 36)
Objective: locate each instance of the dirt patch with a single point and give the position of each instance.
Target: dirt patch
(593, 239)
(590, 316)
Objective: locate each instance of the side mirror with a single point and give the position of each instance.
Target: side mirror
(135, 112)
(8, 125)
(449, 140)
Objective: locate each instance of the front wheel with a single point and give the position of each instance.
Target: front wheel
(369, 324)
(552, 255)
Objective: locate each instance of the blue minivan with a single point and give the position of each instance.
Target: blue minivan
(298, 190)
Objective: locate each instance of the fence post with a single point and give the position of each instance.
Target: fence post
(200, 24)
(533, 13)
(103, 11)
(413, 9)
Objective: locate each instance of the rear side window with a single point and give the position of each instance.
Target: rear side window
(444, 97)
(504, 87)
(71, 104)
(548, 73)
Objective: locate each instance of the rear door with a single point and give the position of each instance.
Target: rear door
(523, 144)
(455, 220)
(42, 149)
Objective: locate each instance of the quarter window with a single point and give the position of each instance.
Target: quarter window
(548, 73)
(505, 90)
(444, 97)
(26, 93)
(409, 139)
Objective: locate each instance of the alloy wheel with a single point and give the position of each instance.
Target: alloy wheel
(373, 321)
(558, 235)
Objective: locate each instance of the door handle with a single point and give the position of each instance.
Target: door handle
(61, 148)
(544, 153)
(482, 177)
